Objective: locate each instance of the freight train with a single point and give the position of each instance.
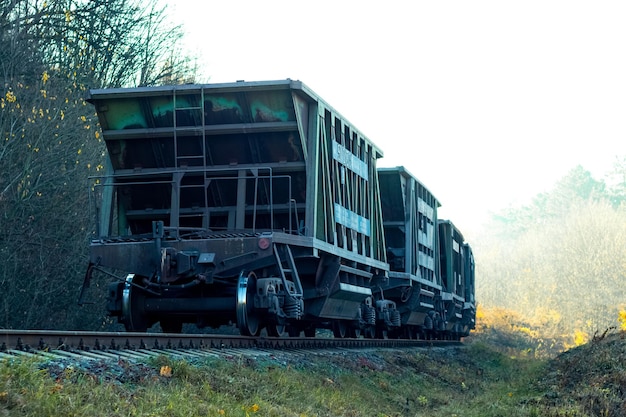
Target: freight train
(258, 205)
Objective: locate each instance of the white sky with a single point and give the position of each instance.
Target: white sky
(488, 103)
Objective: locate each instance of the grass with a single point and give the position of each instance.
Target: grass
(474, 380)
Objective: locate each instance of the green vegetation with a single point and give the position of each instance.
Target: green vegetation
(472, 380)
(559, 262)
(588, 380)
(51, 53)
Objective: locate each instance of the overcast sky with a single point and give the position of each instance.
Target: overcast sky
(488, 103)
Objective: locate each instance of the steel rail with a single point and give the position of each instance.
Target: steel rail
(84, 341)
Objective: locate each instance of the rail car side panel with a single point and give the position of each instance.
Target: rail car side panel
(410, 222)
(457, 272)
(280, 159)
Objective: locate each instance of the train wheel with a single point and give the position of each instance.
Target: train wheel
(133, 314)
(293, 331)
(406, 332)
(421, 333)
(247, 318)
(354, 332)
(275, 330)
(369, 332)
(340, 329)
(382, 333)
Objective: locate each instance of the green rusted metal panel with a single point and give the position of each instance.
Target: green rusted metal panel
(410, 221)
(266, 155)
(453, 266)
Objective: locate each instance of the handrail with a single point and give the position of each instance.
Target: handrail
(209, 175)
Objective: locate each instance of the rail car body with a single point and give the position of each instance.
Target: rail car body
(457, 274)
(257, 204)
(427, 258)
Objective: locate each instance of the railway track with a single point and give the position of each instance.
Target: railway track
(104, 345)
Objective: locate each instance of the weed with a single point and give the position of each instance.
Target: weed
(470, 381)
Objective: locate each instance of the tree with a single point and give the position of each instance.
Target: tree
(564, 262)
(577, 186)
(51, 52)
(617, 182)
(106, 43)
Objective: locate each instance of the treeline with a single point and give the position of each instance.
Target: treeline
(51, 53)
(561, 260)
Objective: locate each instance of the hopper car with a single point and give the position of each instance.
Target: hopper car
(258, 205)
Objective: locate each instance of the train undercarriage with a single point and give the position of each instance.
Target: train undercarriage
(273, 291)
(258, 304)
